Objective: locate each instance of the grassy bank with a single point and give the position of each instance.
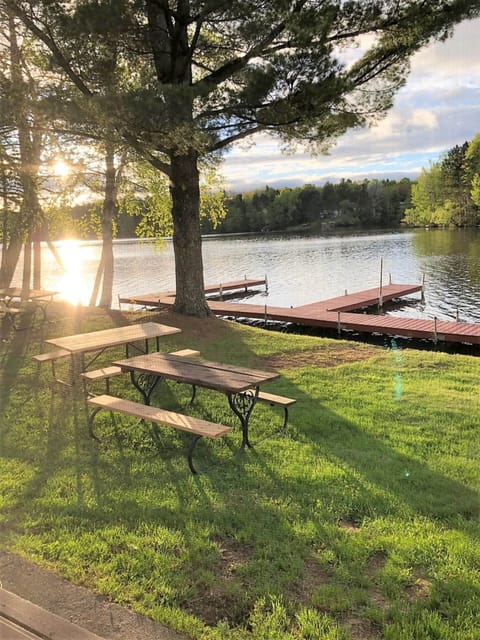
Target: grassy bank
(361, 523)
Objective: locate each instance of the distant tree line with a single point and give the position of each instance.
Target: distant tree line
(370, 203)
(448, 193)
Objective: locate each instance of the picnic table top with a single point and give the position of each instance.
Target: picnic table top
(27, 294)
(82, 342)
(197, 371)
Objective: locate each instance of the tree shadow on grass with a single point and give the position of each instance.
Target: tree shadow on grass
(277, 501)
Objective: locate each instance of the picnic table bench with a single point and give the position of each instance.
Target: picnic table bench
(197, 427)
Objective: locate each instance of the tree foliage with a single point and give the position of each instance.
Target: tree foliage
(448, 192)
(189, 78)
(374, 203)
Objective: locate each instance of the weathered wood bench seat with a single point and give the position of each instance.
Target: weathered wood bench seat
(279, 401)
(195, 426)
(51, 355)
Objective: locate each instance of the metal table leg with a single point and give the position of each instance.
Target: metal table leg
(145, 383)
(242, 405)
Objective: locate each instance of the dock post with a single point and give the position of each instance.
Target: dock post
(435, 334)
(221, 291)
(389, 278)
(246, 288)
(339, 326)
(265, 317)
(457, 315)
(266, 284)
(380, 293)
(423, 288)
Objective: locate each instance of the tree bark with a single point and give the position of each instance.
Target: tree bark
(187, 239)
(10, 256)
(37, 261)
(105, 270)
(27, 267)
(109, 212)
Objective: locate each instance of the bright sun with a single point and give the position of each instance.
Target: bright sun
(61, 168)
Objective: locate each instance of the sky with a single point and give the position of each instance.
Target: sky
(438, 108)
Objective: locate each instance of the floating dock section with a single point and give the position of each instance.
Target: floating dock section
(335, 313)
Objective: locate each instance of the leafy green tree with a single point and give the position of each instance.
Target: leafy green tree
(204, 74)
(281, 212)
(235, 220)
(309, 203)
(472, 176)
(427, 198)
(475, 190)
(456, 186)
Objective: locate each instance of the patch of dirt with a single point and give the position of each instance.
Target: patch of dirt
(232, 555)
(220, 602)
(421, 588)
(376, 564)
(313, 576)
(349, 526)
(331, 356)
(217, 605)
(361, 629)
(205, 328)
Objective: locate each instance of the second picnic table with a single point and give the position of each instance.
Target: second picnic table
(79, 344)
(241, 385)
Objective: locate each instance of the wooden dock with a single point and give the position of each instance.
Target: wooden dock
(363, 299)
(337, 313)
(162, 297)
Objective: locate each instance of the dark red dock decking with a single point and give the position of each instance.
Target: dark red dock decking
(363, 299)
(336, 313)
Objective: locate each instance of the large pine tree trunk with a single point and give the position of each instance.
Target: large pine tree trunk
(187, 239)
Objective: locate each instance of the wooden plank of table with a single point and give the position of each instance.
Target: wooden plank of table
(213, 365)
(201, 372)
(27, 294)
(83, 342)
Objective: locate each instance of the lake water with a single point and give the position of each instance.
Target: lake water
(300, 268)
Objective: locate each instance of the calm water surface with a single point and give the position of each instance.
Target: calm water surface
(300, 269)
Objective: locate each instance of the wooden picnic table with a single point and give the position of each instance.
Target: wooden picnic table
(39, 297)
(78, 345)
(241, 385)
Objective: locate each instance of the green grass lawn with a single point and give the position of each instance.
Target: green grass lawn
(361, 522)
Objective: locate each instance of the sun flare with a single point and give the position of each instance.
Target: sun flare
(61, 168)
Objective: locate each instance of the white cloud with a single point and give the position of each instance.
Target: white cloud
(423, 118)
(438, 108)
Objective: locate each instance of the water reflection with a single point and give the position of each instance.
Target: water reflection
(74, 285)
(450, 260)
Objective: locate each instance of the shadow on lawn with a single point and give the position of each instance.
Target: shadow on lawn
(258, 499)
